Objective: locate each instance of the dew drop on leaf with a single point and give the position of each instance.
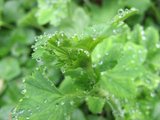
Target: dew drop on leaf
(24, 91)
(86, 98)
(102, 73)
(20, 100)
(81, 72)
(27, 118)
(152, 94)
(37, 107)
(132, 61)
(127, 10)
(45, 101)
(121, 12)
(62, 103)
(114, 31)
(106, 53)
(158, 45)
(21, 112)
(94, 65)
(133, 9)
(94, 38)
(37, 68)
(71, 102)
(23, 80)
(101, 62)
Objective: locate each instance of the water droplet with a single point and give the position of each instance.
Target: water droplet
(94, 38)
(62, 103)
(24, 91)
(107, 97)
(132, 61)
(114, 31)
(107, 53)
(45, 101)
(126, 100)
(100, 63)
(58, 43)
(62, 34)
(35, 49)
(94, 65)
(86, 98)
(21, 112)
(122, 112)
(98, 56)
(82, 73)
(23, 80)
(126, 10)
(30, 112)
(63, 71)
(20, 100)
(38, 60)
(143, 37)
(130, 48)
(37, 107)
(133, 9)
(126, 68)
(37, 68)
(57, 104)
(121, 12)
(140, 51)
(158, 45)
(102, 73)
(27, 118)
(134, 56)
(87, 53)
(110, 80)
(72, 103)
(40, 37)
(153, 94)
(148, 107)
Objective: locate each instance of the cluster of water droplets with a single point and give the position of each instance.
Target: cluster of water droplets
(143, 33)
(95, 33)
(158, 45)
(17, 113)
(100, 60)
(82, 51)
(123, 12)
(118, 111)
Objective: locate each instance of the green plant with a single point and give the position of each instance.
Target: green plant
(91, 64)
(108, 66)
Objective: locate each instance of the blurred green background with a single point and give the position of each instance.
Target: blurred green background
(22, 20)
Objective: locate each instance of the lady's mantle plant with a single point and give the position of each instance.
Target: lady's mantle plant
(107, 65)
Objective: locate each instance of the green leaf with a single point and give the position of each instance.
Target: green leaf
(9, 68)
(152, 39)
(119, 80)
(74, 51)
(12, 11)
(78, 115)
(29, 19)
(95, 104)
(155, 60)
(106, 54)
(52, 11)
(43, 100)
(94, 117)
(117, 85)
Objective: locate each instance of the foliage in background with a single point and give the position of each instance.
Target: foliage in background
(92, 60)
